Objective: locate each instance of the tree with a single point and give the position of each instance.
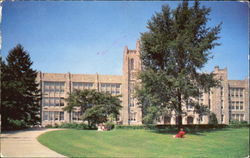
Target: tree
(96, 107)
(212, 119)
(20, 94)
(173, 52)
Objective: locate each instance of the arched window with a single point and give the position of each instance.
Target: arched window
(190, 120)
(167, 120)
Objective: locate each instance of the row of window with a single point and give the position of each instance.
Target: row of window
(53, 101)
(113, 88)
(236, 105)
(238, 117)
(53, 116)
(57, 87)
(76, 116)
(82, 85)
(236, 92)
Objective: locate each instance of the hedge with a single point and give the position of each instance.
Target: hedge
(153, 126)
(72, 125)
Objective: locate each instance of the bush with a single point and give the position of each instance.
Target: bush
(173, 128)
(238, 124)
(213, 119)
(75, 126)
(16, 125)
(109, 125)
(48, 126)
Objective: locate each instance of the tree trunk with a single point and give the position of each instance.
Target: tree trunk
(179, 117)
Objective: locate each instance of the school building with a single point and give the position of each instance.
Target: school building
(228, 102)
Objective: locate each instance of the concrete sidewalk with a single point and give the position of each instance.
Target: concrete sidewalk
(24, 144)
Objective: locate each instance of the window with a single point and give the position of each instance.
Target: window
(54, 87)
(56, 115)
(201, 119)
(132, 117)
(131, 102)
(236, 92)
(221, 91)
(237, 117)
(241, 117)
(222, 118)
(53, 101)
(232, 105)
(241, 92)
(232, 92)
(113, 88)
(241, 105)
(53, 115)
(61, 115)
(45, 115)
(82, 85)
(76, 115)
(131, 64)
(237, 105)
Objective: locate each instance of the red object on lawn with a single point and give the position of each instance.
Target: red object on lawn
(180, 134)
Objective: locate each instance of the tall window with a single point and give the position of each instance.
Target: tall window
(241, 105)
(76, 115)
(54, 87)
(113, 88)
(132, 116)
(131, 64)
(131, 102)
(61, 115)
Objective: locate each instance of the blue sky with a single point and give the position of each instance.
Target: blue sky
(89, 37)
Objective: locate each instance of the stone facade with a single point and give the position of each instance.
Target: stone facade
(228, 102)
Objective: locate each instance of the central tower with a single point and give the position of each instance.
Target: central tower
(131, 112)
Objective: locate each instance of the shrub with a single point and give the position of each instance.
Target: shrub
(16, 124)
(109, 125)
(213, 119)
(48, 126)
(238, 124)
(74, 126)
(172, 128)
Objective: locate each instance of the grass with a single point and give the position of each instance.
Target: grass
(226, 143)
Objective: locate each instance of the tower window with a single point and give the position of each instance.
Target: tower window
(131, 64)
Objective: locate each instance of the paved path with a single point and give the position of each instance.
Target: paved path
(24, 144)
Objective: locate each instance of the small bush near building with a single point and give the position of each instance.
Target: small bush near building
(109, 125)
(73, 126)
(212, 119)
(238, 124)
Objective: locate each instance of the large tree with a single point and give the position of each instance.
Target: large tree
(173, 52)
(96, 107)
(20, 96)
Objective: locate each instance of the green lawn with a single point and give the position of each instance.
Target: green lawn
(228, 143)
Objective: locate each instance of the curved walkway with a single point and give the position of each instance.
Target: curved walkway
(23, 143)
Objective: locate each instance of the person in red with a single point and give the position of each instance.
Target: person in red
(180, 134)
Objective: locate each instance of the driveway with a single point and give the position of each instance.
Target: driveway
(23, 143)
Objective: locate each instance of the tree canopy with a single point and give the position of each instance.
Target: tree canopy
(20, 96)
(96, 107)
(173, 52)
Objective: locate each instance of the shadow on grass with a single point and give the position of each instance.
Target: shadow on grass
(197, 132)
